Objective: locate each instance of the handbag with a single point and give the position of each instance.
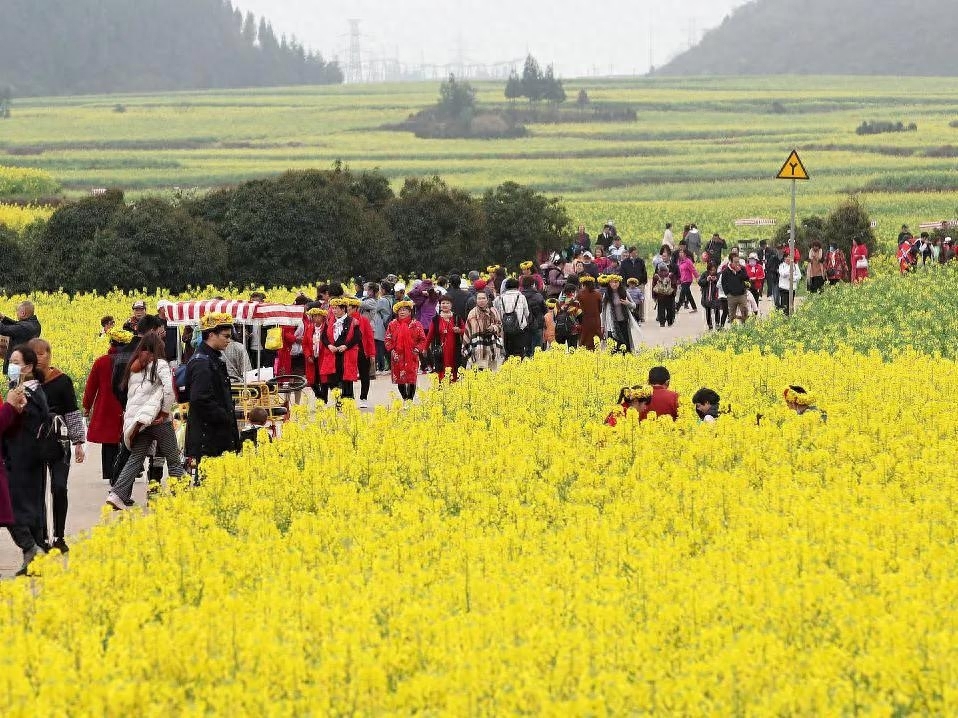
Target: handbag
(274, 339)
(861, 263)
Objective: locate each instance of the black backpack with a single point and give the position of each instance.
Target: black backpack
(510, 320)
(565, 326)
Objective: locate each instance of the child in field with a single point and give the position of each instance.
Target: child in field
(258, 420)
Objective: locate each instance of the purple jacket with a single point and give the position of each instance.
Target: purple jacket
(426, 306)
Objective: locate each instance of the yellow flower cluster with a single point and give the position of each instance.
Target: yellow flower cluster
(498, 550)
(17, 217)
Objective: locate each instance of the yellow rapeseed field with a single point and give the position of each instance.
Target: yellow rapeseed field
(499, 551)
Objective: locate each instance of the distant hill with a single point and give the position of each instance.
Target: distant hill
(67, 47)
(828, 37)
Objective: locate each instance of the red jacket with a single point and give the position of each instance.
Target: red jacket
(284, 356)
(308, 334)
(368, 339)
(100, 403)
(664, 401)
(350, 339)
(756, 272)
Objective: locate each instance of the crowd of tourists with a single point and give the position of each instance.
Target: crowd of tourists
(923, 251)
(592, 292)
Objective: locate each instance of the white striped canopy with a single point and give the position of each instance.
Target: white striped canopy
(180, 314)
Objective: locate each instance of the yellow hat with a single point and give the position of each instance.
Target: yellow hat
(632, 282)
(317, 312)
(614, 278)
(215, 321)
(586, 278)
(403, 305)
(119, 336)
(354, 301)
(339, 302)
(639, 392)
(603, 279)
(526, 265)
(492, 268)
(551, 303)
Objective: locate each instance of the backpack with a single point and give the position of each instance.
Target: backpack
(510, 320)
(565, 326)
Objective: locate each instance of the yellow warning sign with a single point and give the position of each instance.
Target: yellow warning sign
(793, 168)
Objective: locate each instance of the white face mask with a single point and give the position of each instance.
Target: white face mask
(13, 373)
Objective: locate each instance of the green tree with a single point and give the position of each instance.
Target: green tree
(457, 100)
(513, 87)
(520, 222)
(552, 89)
(532, 80)
(436, 228)
(848, 221)
(582, 101)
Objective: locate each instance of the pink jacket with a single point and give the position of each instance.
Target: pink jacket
(687, 271)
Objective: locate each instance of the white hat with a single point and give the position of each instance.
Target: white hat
(752, 255)
(589, 255)
(399, 286)
(947, 239)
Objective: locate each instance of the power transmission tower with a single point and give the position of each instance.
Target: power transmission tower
(354, 70)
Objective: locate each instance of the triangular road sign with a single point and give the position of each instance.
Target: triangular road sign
(793, 168)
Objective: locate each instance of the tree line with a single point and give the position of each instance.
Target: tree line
(60, 47)
(292, 230)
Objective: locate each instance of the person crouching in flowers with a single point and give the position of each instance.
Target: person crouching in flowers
(406, 343)
(341, 338)
(445, 341)
(801, 402)
(706, 403)
(636, 398)
(622, 331)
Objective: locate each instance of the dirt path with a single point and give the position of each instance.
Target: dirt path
(88, 490)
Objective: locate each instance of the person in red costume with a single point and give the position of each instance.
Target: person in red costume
(859, 261)
(405, 342)
(314, 348)
(367, 350)
(445, 340)
(341, 338)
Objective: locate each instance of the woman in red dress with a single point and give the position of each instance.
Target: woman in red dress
(445, 340)
(101, 406)
(859, 261)
(405, 342)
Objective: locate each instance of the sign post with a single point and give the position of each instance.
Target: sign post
(793, 170)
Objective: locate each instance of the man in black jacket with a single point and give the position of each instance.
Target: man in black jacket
(735, 283)
(537, 313)
(633, 267)
(211, 428)
(19, 331)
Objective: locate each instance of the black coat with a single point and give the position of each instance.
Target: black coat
(634, 269)
(537, 308)
(19, 333)
(211, 427)
(460, 300)
(26, 471)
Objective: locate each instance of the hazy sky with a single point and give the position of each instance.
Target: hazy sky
(580, 37)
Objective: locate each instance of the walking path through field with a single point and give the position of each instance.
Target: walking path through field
(88, 490)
